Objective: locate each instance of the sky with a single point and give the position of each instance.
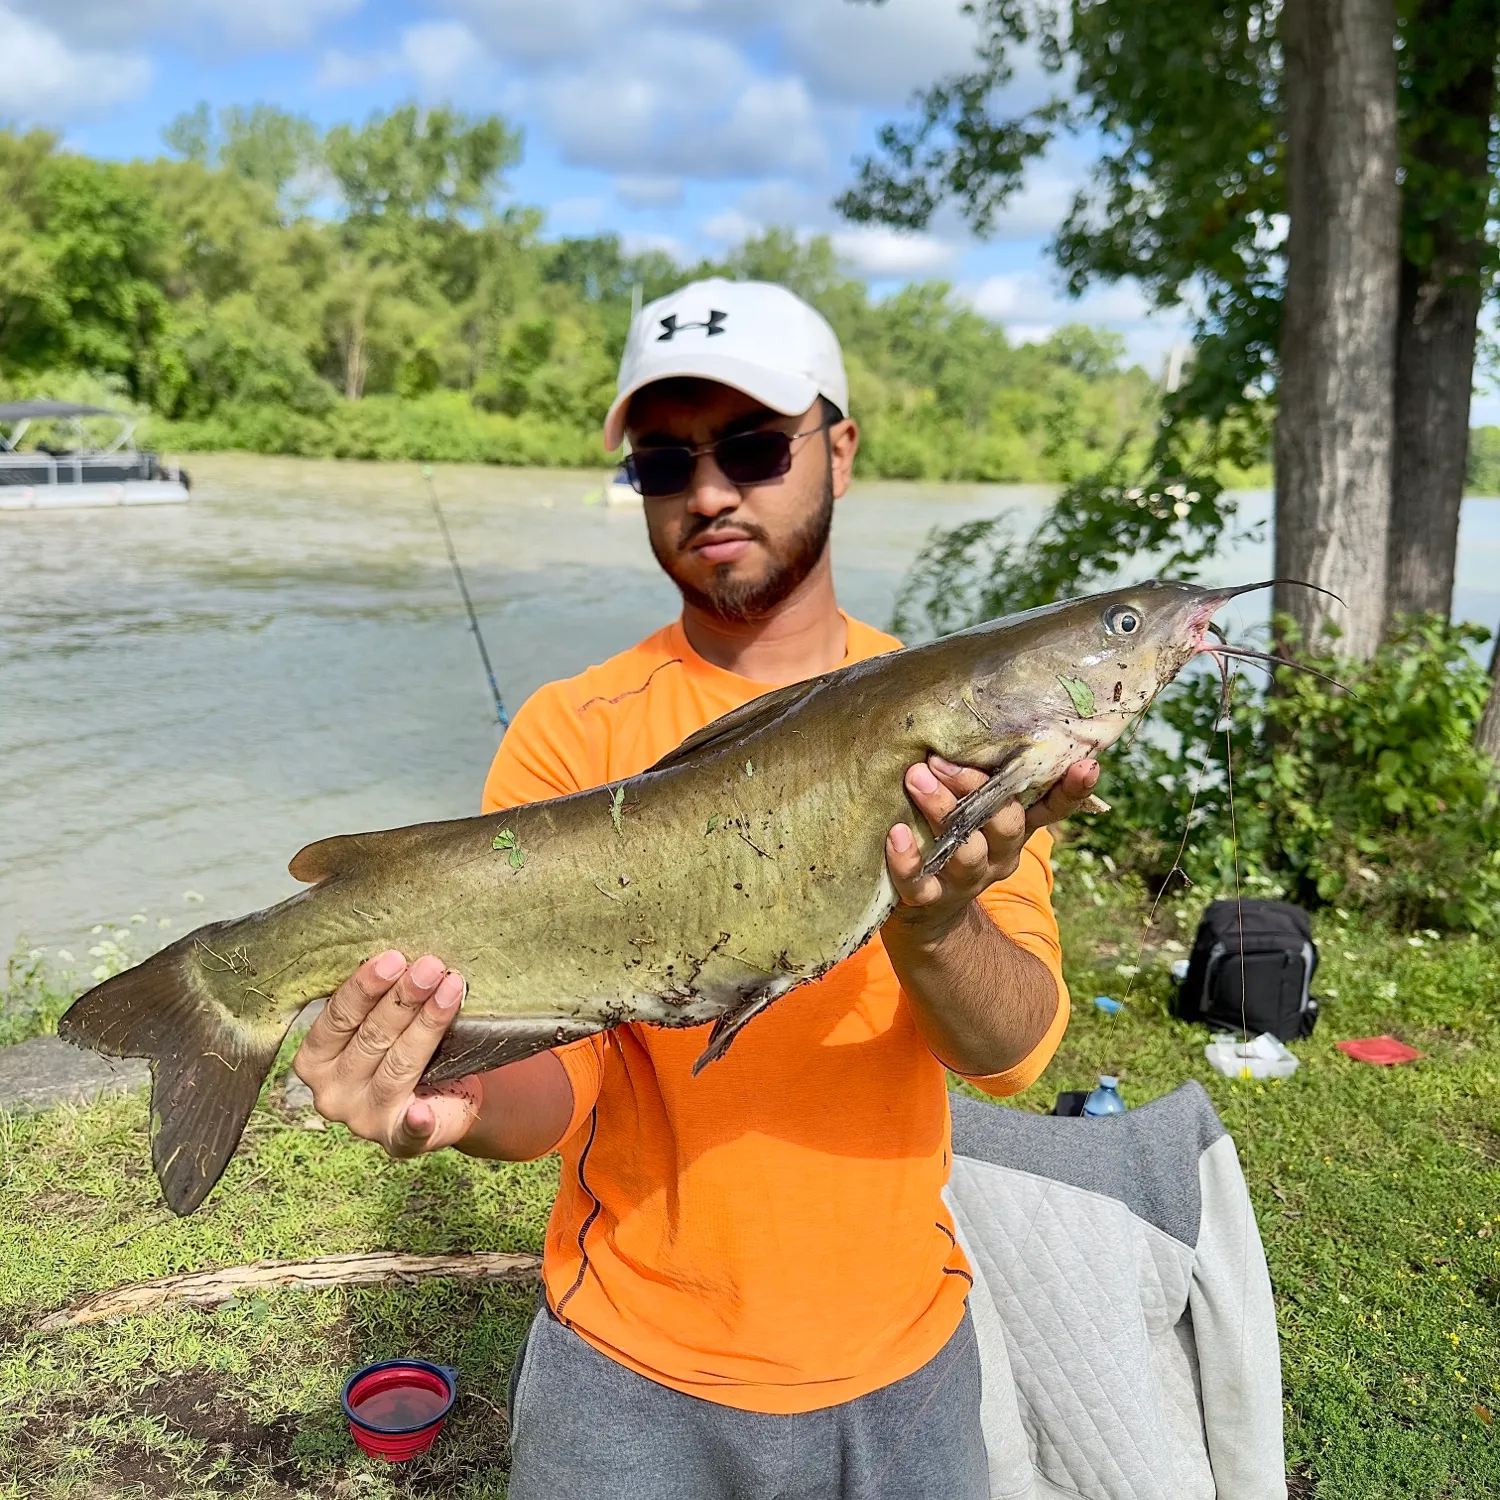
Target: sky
(679, 124)
(683, 124)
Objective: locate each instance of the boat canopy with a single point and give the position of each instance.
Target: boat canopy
(19, 415)
(37, 411)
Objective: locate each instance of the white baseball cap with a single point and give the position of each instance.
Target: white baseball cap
(753, 335)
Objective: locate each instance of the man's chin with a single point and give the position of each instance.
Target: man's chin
(732, 593)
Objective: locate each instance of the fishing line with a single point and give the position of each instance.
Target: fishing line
(458, 573)
(1199, 774)
(1230, 674)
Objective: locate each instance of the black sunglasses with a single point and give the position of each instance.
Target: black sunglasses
(745, 458)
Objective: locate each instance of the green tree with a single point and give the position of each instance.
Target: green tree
(1188, 98)
(420, 164)
(83, 247)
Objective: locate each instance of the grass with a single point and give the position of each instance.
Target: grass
(1377, 1190)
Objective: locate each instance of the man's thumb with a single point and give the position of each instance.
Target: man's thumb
(414, 1133)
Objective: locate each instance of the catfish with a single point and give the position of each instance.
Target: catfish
(748, 861)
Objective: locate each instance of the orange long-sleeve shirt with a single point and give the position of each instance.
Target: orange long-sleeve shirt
(770, 1234)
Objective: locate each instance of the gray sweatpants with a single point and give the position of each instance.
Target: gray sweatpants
(584, 1426)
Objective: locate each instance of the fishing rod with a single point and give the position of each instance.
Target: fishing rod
(458, 573)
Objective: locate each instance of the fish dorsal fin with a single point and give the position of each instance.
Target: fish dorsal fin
(328, 857)
(347, 851)
(746, 719)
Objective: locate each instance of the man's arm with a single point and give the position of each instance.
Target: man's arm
(980, 1000)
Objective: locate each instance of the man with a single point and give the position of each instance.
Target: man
(752, 1284)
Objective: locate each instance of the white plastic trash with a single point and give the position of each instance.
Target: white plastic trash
(1265, 1057)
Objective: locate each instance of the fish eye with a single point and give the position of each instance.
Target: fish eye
(1122, 620)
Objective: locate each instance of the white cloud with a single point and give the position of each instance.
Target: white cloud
(877, 54)
(877, 251)
(1030, 308)
(645, 191)
(439, 53)
(49, 82)
(731, 226)
(1039, 208)
(642, 242)
(263, 23)
(680, 105)
(338, 69)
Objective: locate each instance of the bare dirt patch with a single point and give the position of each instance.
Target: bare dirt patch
(237, 1455)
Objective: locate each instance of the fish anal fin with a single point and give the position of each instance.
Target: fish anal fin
(739, 721)
(481, 1043)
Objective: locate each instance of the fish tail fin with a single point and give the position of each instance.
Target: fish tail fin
(207, 1066)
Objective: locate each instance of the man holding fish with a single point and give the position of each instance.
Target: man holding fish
(752, 1284)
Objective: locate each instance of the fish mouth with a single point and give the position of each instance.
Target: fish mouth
(1200, 617)
(1200, 623)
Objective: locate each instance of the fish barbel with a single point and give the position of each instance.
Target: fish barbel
(748, 861)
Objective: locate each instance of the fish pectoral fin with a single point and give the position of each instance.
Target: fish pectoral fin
(732, 1022)
(481, 1043)
(973, 811)
(739, 721)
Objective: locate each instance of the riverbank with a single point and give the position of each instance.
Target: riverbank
(1376, 1192)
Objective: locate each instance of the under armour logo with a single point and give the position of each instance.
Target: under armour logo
(671, 327)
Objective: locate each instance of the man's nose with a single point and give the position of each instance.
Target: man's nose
(709, 492)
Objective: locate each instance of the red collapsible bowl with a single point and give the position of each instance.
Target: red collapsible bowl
(433, 1385)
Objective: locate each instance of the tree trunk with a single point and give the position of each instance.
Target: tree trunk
(354, 356)
(1453, 44)
(1338, 346)
(1487, 734)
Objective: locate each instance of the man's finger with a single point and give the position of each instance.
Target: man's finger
(903, 858)
(346, 1010)
(960, 780)
(1065, 796)
(934, 801)
(388, 1018)
(401, 1067)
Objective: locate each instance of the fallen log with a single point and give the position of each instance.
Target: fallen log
(213, 1288)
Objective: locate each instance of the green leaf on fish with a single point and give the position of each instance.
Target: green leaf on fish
(749, 769)
(1081, 694)
(505, 839)
(616, 803)
(713, 822)
(517, 858)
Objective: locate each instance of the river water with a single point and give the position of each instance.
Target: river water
(188, 694)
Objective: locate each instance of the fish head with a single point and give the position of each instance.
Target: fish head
(1075, 674)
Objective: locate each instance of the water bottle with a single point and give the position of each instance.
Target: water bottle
(1105, 1100)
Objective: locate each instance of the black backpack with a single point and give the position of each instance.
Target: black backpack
(1265, 990)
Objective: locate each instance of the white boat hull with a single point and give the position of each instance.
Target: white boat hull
(91, 496)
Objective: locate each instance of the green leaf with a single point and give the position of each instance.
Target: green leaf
(505, 839)
(1081, 694)
(517, 858)
(713, 822)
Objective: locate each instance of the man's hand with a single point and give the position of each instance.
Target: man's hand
(932, 904)
(363, 1057)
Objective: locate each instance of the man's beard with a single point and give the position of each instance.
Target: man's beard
(738, 601)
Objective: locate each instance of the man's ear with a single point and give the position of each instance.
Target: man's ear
(843, 444)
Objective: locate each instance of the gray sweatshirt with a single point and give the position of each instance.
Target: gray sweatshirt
(1127, 1333)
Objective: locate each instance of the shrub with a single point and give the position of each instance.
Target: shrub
(1375, 800)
